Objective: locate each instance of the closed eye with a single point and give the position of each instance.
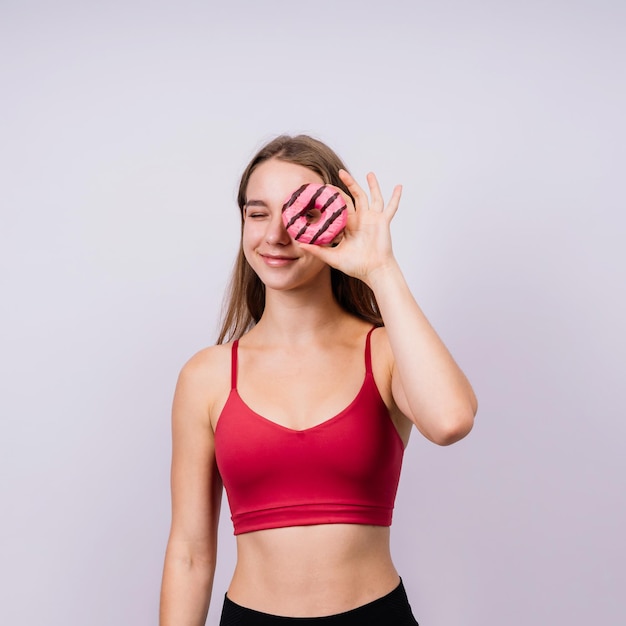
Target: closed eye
(256, 209)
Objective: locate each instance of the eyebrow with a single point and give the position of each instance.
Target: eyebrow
(250, 203)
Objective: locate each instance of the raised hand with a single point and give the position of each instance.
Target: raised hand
(366, 243)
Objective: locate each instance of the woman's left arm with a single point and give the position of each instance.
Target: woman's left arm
(427, 385)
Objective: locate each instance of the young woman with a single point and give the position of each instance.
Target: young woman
(302, 411)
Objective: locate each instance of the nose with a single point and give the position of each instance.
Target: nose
(276, 232)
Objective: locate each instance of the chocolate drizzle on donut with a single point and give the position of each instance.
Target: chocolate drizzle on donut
(327, 223)
(294, 197)
(310, 206)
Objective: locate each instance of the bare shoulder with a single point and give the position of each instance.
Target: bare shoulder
(204, 380)
(207, 362)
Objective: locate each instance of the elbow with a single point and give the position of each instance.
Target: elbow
(454, 427)
(192, 557)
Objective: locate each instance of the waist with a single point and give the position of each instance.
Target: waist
(312, 570)
(392, 608)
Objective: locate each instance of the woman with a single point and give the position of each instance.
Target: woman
(324, 364)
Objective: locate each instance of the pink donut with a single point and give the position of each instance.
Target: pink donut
(315, 213)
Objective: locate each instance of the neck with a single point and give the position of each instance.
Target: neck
(298, 315)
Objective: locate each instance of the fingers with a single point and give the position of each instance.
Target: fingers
(377, 201)
(394, 201)
(360, 197)
(378, 204)
(321, 252)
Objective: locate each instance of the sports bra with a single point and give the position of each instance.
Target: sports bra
(342, 471)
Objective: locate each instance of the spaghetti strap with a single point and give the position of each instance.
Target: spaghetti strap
(233, 365)
(368, 351)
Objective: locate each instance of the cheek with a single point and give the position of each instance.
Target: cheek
(249, 234)
(249, 240)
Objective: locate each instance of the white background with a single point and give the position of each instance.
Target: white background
(124, 129)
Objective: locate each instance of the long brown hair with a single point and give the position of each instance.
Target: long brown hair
(245, 297)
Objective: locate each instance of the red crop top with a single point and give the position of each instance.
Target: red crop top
(342, 471)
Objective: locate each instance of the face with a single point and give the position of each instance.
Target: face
(267, 246)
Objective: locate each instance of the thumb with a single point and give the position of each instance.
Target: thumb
(323, 253)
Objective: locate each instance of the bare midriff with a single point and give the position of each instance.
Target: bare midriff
(312, 571)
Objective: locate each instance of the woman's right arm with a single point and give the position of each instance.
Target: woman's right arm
(196, 498)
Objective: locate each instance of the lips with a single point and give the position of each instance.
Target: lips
(276, 260)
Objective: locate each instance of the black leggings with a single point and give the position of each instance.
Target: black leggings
(390, 610)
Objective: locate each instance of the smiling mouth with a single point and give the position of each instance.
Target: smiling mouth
(271, 257)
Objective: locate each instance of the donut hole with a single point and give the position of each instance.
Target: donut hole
(313, 216)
